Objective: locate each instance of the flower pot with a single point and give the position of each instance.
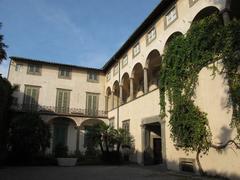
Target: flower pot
(67, 162)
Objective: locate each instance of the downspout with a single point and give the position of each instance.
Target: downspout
(119, 94)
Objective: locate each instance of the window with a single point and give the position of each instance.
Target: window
(171, 16)
(109, 76)
(18, 67)
(111, 122)
(192, 2)
(136, 49)
(34, 69)
(126, 125)
(115, 69)
(31, 95)
(92, 104)
(64, 73)
(62, 101)
(124, 61)
(151, 35)
(92, 76)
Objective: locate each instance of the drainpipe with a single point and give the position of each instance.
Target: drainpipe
(118, 106)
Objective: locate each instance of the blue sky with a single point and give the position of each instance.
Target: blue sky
(81, 32)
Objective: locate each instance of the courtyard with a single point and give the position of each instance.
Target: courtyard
(92, 172)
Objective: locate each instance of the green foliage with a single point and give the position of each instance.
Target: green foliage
(108, 138)
(60, 151)
(3, 46)
(207, 42)
(29, 135)
(6, 114)
(189, 127)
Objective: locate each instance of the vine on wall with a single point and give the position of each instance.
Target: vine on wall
(206, 43)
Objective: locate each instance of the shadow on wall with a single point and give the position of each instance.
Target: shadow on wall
(183, 165)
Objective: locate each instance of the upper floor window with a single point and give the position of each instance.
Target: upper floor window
(111, 122)
(136, 49)
(124, 61)
(126, 125)
(63, 100)
(64, 73)
(93, 76)
(31, 94)
(34, 69)
(18, 67)
(92, 102)
(171, 16)
(151, 35)
(115, 69)
(108, 75)
(192, 2)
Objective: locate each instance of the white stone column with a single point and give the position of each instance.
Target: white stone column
(145, 80)
(77, 139)
(226, 17)
(131, 88)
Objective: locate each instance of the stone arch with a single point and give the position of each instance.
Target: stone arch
(116, 94)
(108, 99)
(64, 132)
(153, 65)
(90, 122)
(207, 11)
(125, 82)
(138, 80)
(171, 37)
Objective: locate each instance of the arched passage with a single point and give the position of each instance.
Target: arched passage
(64, 132)
(108, 99)
(84, 127)
(116, 93)
(171, 37)
(204, 13)
(234, 9)
(153, 65)
(125, 88)
(138, 84)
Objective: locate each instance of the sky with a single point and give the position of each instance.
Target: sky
(81, 32)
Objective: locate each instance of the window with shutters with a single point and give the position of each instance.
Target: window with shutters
(92, 104)
(171, 16)
(151, 35)
(34, 69)
(64, 73)
(31, 95)
(136, 49)
(62, 101)
(92, 76)
(126, 125)
(124, 61)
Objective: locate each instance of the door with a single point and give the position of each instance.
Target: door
(62, 101)
(157, 150)
(60, 134)
(92, 104)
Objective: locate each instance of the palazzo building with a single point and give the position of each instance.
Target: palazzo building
(125, 91)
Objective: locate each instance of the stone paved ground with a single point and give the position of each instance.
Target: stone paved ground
(132, 172)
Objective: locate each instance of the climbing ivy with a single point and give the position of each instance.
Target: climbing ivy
(206, 43)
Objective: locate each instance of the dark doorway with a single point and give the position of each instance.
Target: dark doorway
(157, 150)
(153, 144)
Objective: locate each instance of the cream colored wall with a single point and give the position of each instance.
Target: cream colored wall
(49, 82)
(182, 24)
(211, 98)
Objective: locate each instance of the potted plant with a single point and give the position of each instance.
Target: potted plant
(63, 159)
